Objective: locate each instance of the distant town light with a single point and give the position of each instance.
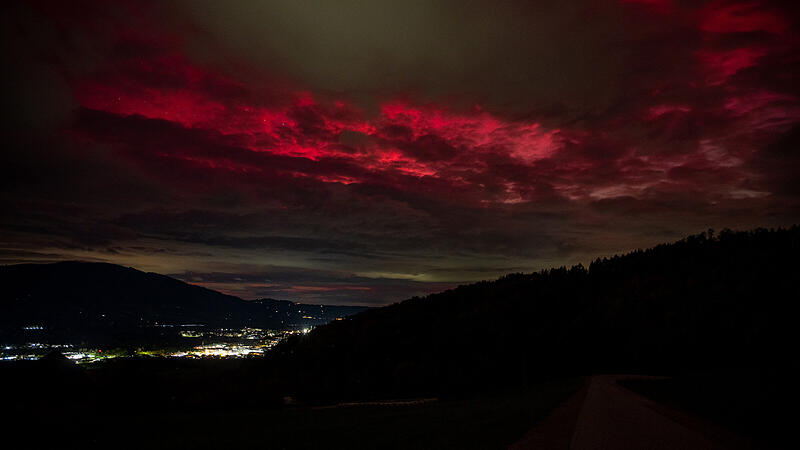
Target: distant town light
(256, 342)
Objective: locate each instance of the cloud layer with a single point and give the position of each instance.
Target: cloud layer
(367, 153)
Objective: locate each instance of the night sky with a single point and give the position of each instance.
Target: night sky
(362, 152)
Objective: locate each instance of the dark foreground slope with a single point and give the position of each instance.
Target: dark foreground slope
(701, 303)
(156, 403)
(80, 300)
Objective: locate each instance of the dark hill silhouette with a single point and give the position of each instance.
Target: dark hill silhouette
(703, 302)
(304, 313)
(82, 300)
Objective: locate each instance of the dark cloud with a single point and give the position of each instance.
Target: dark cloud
(364, 152)
(317, 286)
(363, 49)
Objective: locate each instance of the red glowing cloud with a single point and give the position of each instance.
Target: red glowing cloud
(487, 160)
(723, 65)
(471, 156)
(741, 17)
(401, 140)
(468, 156)
(249, 133)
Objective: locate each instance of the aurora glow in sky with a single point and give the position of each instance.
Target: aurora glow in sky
(363, 152)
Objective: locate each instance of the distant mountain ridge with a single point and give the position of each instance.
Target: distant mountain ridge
(77, 297)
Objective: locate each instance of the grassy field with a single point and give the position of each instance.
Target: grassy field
(480, 422)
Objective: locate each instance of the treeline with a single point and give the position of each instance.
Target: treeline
(709, 301)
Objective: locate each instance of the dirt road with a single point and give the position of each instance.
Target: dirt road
(605, 415)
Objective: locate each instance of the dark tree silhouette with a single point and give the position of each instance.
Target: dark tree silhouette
(707, 301)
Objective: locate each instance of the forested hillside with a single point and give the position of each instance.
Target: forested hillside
(707, 301)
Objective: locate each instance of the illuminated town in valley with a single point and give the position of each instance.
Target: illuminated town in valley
(194, 342)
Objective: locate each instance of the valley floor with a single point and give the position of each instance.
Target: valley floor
(145, 418)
